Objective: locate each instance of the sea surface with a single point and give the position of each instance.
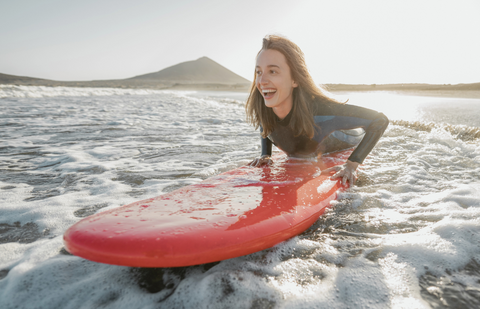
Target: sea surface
(407, 236)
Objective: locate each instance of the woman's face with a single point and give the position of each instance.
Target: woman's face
(274, 81)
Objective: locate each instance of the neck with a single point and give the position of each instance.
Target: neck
(282, 110)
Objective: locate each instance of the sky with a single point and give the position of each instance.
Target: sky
(344, 41)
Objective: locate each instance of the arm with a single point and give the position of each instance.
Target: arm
(266, 146)
(266, 152)
(333, 117)
(350, 117)
(372, 134)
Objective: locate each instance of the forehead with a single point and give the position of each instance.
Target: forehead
(270, 57)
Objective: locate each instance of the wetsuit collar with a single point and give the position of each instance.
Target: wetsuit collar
(285, 121)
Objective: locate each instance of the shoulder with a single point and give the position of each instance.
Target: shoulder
(324, 105)
(329, 107)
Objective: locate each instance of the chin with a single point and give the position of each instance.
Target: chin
(271, 104)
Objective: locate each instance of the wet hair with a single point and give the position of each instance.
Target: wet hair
(301, 121)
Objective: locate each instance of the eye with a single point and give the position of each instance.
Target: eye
(273, 72)
(258, 72)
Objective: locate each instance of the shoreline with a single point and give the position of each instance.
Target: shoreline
(451, 93)
(465, 94)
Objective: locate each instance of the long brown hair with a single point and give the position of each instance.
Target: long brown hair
(302, 110)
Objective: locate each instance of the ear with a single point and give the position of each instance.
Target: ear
(294, 84)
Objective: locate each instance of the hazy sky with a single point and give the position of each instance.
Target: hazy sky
(351, 41)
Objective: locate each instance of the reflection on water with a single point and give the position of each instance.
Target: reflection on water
(454, 111)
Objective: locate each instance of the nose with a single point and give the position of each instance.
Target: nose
(262, 80)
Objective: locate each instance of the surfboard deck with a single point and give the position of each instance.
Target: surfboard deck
(229, 215)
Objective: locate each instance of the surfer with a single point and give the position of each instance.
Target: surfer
(297, 116)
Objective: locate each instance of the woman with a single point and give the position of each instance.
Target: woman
(296, 116)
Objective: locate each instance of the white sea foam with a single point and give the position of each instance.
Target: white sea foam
(16, 91)
(407, 236)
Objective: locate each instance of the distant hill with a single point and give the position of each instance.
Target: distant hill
(202, 70)
(13, 79)
(200, 74)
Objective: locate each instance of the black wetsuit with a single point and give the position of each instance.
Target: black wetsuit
(328, 117)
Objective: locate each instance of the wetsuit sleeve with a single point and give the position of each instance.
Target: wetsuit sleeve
(266, 145)
(372, 134)
(344, 117)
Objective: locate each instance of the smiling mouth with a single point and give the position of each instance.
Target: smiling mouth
(269, 93)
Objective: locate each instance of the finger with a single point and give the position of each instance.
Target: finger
(338, 174)
(350, 180)
(326, 171)
(329, 170)
(339, 169)
(261, 162)
(335, 168)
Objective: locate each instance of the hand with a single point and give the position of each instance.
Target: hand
(346, 172)
(261, 161)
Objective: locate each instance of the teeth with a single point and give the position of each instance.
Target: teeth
(269, 90)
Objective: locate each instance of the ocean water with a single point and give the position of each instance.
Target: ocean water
(407, 236)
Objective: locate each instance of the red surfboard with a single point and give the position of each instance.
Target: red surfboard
(232, 214)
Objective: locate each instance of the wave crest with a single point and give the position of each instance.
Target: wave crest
(462, 132)
(14, 91)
